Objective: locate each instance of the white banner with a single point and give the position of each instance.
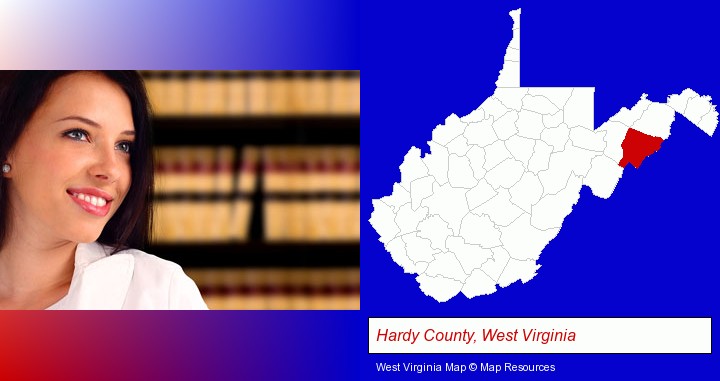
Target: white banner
(539, 335)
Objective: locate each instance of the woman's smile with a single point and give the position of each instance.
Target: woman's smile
(93, 201)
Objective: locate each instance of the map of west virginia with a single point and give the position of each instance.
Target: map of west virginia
(478, 210)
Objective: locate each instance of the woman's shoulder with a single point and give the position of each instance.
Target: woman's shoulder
(152, 262)
(142, 260)
(152, 274)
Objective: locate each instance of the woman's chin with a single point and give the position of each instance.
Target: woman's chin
(86, 236)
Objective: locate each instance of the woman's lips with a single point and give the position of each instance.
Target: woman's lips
(98, 206)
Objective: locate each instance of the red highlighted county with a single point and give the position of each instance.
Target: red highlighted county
(637, 146)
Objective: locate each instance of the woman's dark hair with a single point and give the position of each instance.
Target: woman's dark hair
(22, 92)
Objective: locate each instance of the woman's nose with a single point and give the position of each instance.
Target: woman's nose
(107, 166)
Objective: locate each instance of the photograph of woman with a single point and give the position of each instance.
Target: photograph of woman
(76, 196)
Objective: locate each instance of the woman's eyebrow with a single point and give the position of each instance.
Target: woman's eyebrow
(91, 122)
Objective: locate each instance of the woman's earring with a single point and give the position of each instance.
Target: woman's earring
(6, 168)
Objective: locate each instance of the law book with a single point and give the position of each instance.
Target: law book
(351, 288)
(181, 172)
(274, 179)
(311, 169)
(338, 94)
(319, 289)
(336, 289)
(162, 168)
(202, 175)
(198, 93)
(276, 225)
(324, 168)
(165, 228)
(231, 280)
(274, 166)
(292, 169)
(239, 226)
(189, 227)
(258, 94)
(219, 218)
(217, 102)
(224, 169)
(155, 84)
(207, 93)
(247, 173)
(254, 283)
(298, 288)
(318, 94)
(354, 94)
(345, 93)
(354, 221)
(279, 93)
(347, 168)
(175, 99)
(278, 289)
(297, 93)
(297, 212)
(238, 98)
(213, 287)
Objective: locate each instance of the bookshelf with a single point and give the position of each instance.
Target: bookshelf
(258, 130)
(258, 173)
(261, 255)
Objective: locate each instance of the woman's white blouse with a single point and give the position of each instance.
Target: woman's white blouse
(128, 280)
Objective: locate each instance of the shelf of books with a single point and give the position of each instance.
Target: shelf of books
(258, 183)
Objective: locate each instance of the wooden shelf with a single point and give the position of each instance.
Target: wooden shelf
(237, 195)
(246, 130)
(260, 254)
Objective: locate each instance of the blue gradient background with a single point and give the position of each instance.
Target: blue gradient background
(211, 34)
(650, 250)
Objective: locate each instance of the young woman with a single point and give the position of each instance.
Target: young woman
(76, 196)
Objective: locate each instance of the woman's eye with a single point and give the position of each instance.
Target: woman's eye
(79, 135)
(125, 147)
